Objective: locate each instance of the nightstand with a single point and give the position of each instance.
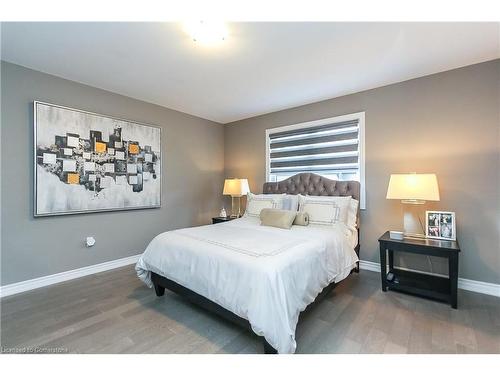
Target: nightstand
(216, 220)
(424, 285)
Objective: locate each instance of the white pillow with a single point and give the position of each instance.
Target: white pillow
(290, 202)
(325, 209)
(352, 214)
(284, 201)
(257, 202)
(344, 204)
(320, 210)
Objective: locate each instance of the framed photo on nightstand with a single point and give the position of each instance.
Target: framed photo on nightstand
(440, 225)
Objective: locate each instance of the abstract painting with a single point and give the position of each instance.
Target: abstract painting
(86, 162)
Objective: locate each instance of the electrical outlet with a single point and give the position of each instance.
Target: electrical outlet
(90, 241)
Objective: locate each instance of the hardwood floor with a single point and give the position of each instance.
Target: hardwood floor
(113, 312)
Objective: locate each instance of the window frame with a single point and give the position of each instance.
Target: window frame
(360, 116)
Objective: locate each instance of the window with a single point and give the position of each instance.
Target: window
(332, 147)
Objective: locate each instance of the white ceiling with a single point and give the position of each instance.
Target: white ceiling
(260, 68)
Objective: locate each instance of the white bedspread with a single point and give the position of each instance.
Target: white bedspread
(263, 274)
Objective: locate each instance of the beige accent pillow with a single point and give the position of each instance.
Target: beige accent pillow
(302, 218)
(273, 217)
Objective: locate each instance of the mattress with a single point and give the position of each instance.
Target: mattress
(265, 275)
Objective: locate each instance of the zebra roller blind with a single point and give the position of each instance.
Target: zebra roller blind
(330, 149)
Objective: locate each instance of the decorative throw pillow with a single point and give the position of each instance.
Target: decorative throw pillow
(325, 210)
(290, 202)
(284, 201)
(302, 219)
(273, 217)
(352, 215)
(344, 204)
(257, 202)
(320, 211)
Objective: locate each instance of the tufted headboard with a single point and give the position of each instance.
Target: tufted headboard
(313, 184)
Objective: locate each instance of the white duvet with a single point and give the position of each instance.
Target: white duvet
(263, 274)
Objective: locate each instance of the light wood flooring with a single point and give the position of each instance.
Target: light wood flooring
(113, 312)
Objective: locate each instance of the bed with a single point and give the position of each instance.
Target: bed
(259, 277)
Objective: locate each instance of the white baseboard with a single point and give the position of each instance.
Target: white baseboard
(39, 282)
(369, 266)
(23, 286)
(465, 284)
(479, 287)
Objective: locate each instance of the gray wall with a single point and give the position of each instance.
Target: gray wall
(193, 175)
(447, 124)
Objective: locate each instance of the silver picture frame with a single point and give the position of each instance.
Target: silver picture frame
(440, 225)
(36, 213)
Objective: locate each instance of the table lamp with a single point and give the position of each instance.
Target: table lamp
(236, 187)
(413, 189)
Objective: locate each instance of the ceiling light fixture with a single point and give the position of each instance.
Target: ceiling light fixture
(206, 32)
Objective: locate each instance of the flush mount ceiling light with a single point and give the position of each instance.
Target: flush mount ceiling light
(206, 32)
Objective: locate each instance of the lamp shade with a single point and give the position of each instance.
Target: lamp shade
(413, 187)
(236, 187)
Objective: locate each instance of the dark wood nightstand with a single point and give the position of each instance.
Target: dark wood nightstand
(216, 220)
(435, 287)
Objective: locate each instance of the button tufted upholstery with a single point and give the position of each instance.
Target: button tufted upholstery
(313, 184)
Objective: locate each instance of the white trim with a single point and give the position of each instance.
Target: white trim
(23, 286)
(369, 266)
(479, 287)
(361, 146)
(268, 131)
(39, 282)
(465, 284)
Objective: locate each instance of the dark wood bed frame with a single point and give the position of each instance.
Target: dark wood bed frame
(303, 183)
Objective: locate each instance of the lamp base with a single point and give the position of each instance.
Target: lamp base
(412, 226)
(413, 201)
(235, 214)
